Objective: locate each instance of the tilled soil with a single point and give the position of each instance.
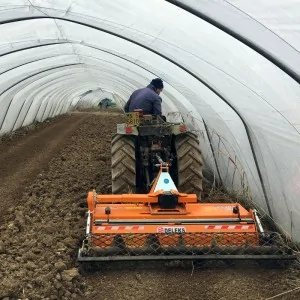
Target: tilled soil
(45, 176)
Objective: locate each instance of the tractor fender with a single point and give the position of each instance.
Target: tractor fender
(179, 129)
(123, 129)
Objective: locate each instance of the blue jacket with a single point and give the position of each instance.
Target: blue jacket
(146, 99)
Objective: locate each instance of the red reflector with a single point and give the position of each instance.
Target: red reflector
(128, 129)
(140, 111)
(182, 128)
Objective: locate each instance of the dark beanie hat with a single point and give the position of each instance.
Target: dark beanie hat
(157, 83)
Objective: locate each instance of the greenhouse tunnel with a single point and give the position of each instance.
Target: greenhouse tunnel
(231, 70)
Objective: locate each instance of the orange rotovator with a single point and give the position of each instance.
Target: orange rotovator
(168, 224)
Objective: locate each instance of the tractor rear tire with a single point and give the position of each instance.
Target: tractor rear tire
(123, 165)
(189, 164)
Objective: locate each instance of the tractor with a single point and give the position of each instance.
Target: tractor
(140, 144)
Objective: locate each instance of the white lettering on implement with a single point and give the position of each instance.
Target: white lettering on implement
(170, 230)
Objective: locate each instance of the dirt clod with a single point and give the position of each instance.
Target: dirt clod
(69, 275)
(60, 266)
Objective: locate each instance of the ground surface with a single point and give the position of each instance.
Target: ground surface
(45, 174)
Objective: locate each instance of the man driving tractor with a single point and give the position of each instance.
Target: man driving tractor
(147, 98)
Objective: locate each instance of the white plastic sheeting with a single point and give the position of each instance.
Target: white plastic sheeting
(232, 71)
